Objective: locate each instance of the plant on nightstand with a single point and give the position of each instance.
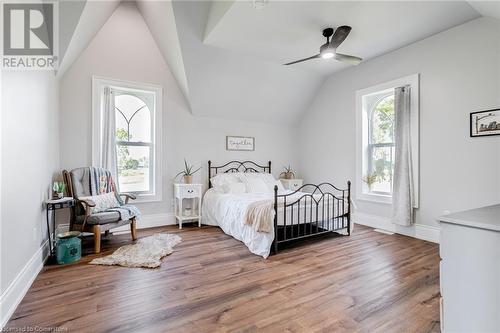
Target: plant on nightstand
(187, 173)
(288, 173)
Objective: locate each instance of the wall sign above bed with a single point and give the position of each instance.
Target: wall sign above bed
(485, 123)
(245, 143)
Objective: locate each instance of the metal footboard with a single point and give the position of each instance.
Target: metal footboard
(320, 209)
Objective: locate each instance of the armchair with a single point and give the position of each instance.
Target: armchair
(78, 184)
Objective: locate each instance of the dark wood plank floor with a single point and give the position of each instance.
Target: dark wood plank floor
(368, 282)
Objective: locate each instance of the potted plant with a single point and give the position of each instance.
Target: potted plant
(288, 173)
(59, 188)
(370, 179)
(187, 173)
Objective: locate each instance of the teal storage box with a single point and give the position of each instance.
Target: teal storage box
(68, 248)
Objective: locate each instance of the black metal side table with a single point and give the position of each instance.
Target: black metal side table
(53, 205)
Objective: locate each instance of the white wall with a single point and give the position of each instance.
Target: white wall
(459, 74)
(30, 157)
(124, 49)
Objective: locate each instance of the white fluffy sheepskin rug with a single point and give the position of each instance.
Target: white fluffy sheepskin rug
(147, 252)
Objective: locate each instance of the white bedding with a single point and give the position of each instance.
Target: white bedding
(228, 212)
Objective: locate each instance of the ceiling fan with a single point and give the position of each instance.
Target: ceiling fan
(329, 49)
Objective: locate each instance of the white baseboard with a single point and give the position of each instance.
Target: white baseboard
(149, 221)
(156, 220)
(420, 231)
(13, 295)
(15, 292)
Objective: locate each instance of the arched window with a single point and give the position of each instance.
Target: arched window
(375, 139)
(137, 127)
(380, 152)
(134, 142)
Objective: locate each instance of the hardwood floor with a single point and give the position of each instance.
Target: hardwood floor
(368, 282)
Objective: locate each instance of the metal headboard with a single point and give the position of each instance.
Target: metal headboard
(236, 166)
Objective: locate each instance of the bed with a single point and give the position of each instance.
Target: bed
(264, 218)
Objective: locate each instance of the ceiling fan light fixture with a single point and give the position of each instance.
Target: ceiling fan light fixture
(329, 49)
(327, 55)
(326, 51)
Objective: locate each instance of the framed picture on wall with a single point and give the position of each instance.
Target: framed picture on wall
(485, 123)
(245, 143)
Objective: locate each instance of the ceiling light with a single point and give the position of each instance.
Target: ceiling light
(327, 55)
(259, 4)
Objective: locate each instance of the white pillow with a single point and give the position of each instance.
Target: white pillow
(102, 202)
(224, 178)
(234, 188)
(268, 179)
(256, 185)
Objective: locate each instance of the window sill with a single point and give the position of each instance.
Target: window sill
(378, 198)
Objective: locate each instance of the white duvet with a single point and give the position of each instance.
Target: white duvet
(228, 212)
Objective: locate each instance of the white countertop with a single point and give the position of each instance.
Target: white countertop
(485, 218)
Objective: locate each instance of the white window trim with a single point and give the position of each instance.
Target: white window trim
(413, 81)
(98, 84)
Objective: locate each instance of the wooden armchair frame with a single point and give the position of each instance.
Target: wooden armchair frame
(96, 229)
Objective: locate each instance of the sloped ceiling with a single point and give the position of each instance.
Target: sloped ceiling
(227, 56)
(80, 21)
(226, 84)
(159, 16)
(487, 8)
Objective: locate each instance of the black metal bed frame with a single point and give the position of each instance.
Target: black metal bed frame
(326, 203)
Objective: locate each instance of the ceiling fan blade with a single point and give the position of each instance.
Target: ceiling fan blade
(294, 62)
(340, 35)
(348, 59)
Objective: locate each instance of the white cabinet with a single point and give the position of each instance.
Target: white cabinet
(292, 184)
(470, 270)
(187, 206)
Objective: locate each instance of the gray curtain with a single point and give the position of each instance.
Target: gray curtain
(108, 149)
(403, 195)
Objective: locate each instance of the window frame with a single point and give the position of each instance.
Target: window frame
(98, 85)
(370, 145)
(145, 98)
(363, 131)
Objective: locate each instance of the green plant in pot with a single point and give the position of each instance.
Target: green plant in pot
(287, 173)
(58, 188)
(187, 173)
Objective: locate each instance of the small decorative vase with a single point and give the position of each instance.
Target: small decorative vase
(188, 179)
(60, 195)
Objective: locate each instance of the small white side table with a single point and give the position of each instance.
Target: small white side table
(183, 193)
(292, 184)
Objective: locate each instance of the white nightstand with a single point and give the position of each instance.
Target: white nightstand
(292, 184)
(187, 196)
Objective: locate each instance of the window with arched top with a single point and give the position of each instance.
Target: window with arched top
(134, 144)
(131, 111)
(376, 139)
(380, 148)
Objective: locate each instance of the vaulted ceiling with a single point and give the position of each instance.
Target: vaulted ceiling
(288, 31)
(227, 56)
